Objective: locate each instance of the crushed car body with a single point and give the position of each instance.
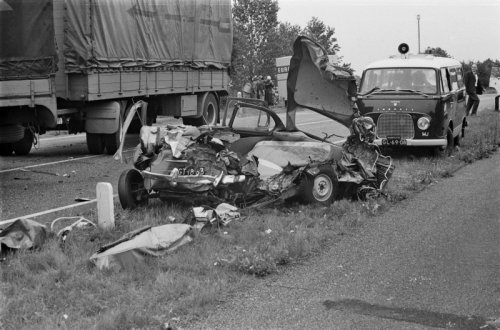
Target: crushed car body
(254, 158)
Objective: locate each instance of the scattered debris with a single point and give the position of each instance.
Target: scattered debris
(22, 234)
(131, 250)
(82, 199)
(80, 222)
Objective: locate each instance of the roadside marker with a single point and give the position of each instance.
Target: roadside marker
(105, 206)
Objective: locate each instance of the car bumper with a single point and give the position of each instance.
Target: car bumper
(414, 143)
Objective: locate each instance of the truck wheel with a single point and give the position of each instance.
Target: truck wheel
(321, 188)
(210, 112)
(95, 143)
(112, 141)
(131, 190)
(23, 146)
(6, 149)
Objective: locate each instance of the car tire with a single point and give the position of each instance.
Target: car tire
(23, 146)
(131, 190)
(321, 188)
(95, 143)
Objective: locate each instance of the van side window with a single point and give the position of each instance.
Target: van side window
(453, 79)
(460, 79)
(445, 86)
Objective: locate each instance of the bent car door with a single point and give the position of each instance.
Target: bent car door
(314, 83)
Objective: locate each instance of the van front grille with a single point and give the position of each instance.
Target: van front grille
(395, 124)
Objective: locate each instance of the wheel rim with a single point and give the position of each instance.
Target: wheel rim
(138, 191)
(210, 114)
(322, 188)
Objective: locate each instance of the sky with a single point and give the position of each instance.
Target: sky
(369, 30)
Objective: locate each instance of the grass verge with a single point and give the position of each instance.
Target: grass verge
(55, 287)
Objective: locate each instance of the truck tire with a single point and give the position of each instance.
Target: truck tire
(210, 113)
(112, 142)
(321, 188)
(23, 146)
(210, 110)
(95, 143)
(6, 149)
(131, 190)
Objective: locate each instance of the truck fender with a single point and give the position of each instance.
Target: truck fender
(102, 117)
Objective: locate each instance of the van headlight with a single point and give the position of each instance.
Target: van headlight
(423, 123)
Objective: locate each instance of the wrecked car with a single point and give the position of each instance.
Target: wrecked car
(258, 156)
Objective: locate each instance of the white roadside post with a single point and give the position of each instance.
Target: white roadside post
(105, 206)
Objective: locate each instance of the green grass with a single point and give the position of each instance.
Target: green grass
(57, 288)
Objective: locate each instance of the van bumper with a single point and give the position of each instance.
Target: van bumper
(414, 143)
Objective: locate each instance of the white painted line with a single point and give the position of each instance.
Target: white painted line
(312, 123)
(34, 215)
(45, 164)
(57, 162)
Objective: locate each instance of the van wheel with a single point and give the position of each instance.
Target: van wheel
(321, 188)
(95, 143)
(23, 146)
(131, 190)
(448, 149)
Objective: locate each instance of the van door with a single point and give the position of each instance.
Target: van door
(448, 98)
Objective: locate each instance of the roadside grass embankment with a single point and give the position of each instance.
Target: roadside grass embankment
(56, 287)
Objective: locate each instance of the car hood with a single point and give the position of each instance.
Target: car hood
(316, 84)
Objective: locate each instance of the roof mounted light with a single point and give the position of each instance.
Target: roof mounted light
(403, 48)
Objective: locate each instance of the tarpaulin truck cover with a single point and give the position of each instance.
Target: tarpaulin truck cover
(27, 43)
(103, 34)
(113, 34)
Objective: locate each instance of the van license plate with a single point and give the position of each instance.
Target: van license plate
(393, 141)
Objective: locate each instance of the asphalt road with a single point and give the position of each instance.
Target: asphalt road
(430, 262)
(54, 175)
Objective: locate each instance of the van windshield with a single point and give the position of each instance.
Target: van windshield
(399, 79)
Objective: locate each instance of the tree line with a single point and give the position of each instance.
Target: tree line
(259, 38)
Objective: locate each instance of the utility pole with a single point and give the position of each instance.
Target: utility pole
(418, 22)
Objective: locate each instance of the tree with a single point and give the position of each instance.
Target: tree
(322, 34)
(437, 51)
(284, 37)
(255, 23)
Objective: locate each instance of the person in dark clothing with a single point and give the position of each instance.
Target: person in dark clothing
(473, 88)
(268, 95)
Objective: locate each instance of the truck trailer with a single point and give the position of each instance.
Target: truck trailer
(79, 65)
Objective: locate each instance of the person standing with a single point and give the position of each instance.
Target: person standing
(473, 88)
(268, 95)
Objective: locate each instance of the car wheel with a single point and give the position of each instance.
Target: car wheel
(321, 188)
(23, 146)
(95, 143)
(131, 190)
